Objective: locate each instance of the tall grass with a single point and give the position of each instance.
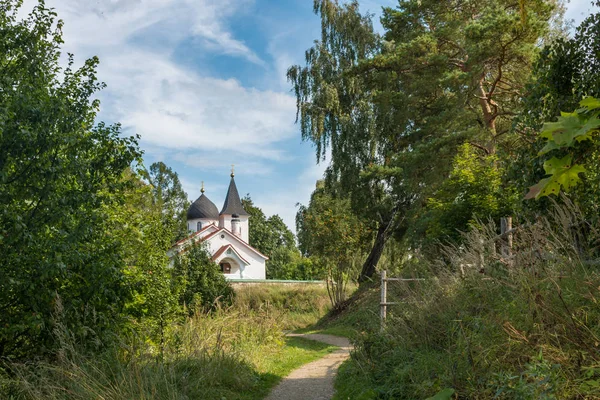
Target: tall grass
(492, 326)
(229, 354)
(295, 306)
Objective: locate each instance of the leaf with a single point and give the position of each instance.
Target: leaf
(555, 165)
(591, 103)
(551, 145)
(569, 129)
(445, 394)
(564, 176)
(536, 189)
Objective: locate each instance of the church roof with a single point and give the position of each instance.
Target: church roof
(220, 252)
(233, 204)
(203, 208)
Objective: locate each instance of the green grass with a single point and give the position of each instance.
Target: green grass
(236, 354)
(275, 366)
(360, 315)
(297, 306)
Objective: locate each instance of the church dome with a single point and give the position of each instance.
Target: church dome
(203, 208)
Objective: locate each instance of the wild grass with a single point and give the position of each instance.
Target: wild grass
(234, 353)
(296, 306)
(490, 325)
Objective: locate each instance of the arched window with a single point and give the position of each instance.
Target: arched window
(199, 227)
(225, 268)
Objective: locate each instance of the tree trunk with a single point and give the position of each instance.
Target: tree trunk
(489, 114)
(368, 269)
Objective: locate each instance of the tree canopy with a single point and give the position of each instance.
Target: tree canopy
(441, 75)
(59, 169)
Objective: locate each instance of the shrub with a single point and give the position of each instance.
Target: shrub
(199, 282)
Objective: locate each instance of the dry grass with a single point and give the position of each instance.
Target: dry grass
(295, 306)
(490, 325)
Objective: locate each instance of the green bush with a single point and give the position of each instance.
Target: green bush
(199, 282)
(208, 357)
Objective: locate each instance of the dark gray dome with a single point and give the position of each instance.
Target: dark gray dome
(203, 208)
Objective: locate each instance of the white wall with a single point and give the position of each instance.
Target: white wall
(225, 222)
(245, 230)
(192, 224)
(256, 268)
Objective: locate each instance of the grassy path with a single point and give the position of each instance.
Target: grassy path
(274, 367)
(314, 380)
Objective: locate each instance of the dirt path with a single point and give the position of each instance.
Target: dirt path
(313, 381)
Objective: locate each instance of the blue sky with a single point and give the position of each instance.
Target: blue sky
(203, 82)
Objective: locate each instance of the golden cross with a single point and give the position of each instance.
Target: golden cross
(232, 170)
(202, 189)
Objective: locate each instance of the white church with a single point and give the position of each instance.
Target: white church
(225, 234)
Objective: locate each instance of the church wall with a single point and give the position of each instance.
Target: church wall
(245, 230)
(192, 224)
(225, 222)
(255, 270)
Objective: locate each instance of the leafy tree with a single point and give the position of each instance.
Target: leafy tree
(333, 237)
(445, 73)
(201, 283)
(335, 111)
(286, 263)
(267, 234)
(169, 196)
(138, 223)
(473, 192)
(272, 237)
(575, 133)
(563, 76)
(58, 173)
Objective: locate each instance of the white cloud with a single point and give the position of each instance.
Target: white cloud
(174, 108)
(284, 203)
(169, 105)
(221, 162)
(93, 24)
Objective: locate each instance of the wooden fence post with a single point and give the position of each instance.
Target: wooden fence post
(507, 242)
(383, 303)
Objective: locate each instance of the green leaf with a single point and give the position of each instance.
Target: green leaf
(563, 173)
(569, 129)
(535, 190)
(590, 103)
(555, 165)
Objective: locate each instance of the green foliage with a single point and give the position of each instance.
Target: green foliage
(201, 284)
(445, 394)
(473, 192)
(395, 110)
(333, 237)
(328, 229)
(267, 234)
(59, 171)
(518, 331)
(572, 130)
(237, 356)
(290, 264)
(272, 237)
(564, 75)
(169, 196)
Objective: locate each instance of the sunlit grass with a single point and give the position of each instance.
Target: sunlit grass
(235, 353)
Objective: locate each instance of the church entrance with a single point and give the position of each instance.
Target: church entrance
(229, 267)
